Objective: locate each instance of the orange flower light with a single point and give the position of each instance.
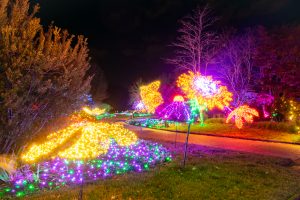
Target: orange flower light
(203, 88)
(242, 114)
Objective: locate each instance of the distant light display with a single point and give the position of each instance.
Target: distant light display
(242, 114)
(294, 114)
(88, 139)
(58, 172)
(95, 111)
(208, 92)
(140, 107)
(150, 96)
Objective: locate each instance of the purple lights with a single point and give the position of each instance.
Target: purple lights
(177, 111)
(59, 172)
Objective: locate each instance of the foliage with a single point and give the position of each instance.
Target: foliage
(278, 57)
(276, 126)
(43, 72)
(215, 120)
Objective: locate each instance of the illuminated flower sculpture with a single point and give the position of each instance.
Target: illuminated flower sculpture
(83, 140)
(242, 114)
(83, 152)
(177, 110)
(204, 89)
(150, 96)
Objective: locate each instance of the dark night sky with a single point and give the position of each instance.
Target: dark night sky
(128, 39)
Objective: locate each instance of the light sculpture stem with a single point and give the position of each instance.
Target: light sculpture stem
(186, 144)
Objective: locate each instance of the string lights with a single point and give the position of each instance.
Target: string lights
(59, 172)
(242, 114)
(87, 139)
(95, 111)
(177, 110)
(203, 88)
(294, 114)
(150, 96)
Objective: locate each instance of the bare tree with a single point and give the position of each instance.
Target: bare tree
(134, 92)
(235, 66)
(195, 45)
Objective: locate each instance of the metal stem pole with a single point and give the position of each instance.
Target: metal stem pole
(186, 144)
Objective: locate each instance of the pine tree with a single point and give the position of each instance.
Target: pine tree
(42, 72)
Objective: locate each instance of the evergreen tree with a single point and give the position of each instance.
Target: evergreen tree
(42, 72)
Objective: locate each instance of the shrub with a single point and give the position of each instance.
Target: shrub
(276, 126)
(215, 120)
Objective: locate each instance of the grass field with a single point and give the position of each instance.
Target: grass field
(209, 174)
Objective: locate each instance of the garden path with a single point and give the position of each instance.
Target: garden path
(258, 147)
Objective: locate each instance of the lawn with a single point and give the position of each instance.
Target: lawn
(250, 132)
(209, 174)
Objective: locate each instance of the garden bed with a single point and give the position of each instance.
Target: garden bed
(209, 174)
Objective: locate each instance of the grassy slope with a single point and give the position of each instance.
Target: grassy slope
(210, 174)
(246, 132)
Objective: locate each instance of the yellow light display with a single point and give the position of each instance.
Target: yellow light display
(91, 140)
(294, 114)
(242, 114)
(178, 98)
(203, 88)
(95, 111)
(150, 96)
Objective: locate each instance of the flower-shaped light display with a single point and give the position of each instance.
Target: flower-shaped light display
(203, 88)
(150, 96)
(177, 110)
(242, 114)
(84, 140)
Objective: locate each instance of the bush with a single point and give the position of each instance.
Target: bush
(215, 120)
(276, 126)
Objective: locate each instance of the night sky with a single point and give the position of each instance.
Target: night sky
(129, 39)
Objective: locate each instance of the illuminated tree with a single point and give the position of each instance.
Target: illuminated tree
(242, 114)
(43, 72)
(196, 44)
(134, 93)
(237, 72)
(150, 96)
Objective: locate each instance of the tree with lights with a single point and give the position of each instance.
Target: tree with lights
(43, 72)
(196, 44)
(237, 60)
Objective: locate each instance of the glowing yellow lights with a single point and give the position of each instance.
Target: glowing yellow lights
(242, 114)
(294, 114)
(80, 141)
(95, 111)
(178, 98)
(150, 96)
(203, 88)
